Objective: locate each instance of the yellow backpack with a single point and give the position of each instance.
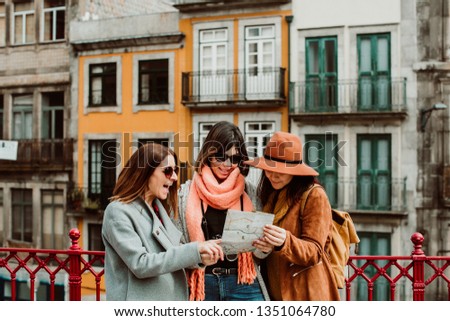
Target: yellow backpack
(343, 235)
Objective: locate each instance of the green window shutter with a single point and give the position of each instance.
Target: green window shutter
(374, 172)
(374, 72)
(321, 154)
(374, 244)
(321, 74)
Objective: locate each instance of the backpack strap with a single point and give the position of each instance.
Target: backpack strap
(305, 197)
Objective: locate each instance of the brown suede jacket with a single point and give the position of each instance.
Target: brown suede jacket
(300, 270)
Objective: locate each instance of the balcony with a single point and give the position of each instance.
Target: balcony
(402, 278)
(41, 155)
(383, 197)
(81, 201)
(348, 99)
(234, 88)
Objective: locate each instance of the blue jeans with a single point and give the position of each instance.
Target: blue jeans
(226, 288)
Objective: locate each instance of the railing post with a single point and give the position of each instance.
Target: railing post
(418, 258)
(74, 268)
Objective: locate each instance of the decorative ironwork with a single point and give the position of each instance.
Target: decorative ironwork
(419, 270)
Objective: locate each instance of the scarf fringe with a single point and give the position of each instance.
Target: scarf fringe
(196, 282)
(246, 269)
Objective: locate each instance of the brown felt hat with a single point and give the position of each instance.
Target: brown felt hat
(283, 154)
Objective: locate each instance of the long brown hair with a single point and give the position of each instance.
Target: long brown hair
(222, 136)
(296, 187)
(133, 179)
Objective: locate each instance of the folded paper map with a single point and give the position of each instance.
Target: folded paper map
(241, 229)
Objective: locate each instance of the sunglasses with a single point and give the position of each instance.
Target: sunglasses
(222, 158)
(168, 171)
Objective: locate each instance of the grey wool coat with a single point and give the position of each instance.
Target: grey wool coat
(144, 258)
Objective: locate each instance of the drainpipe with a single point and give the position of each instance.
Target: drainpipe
(289, 21)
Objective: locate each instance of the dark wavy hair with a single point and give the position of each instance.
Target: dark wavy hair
(222, 136)
(296, 187)
(133, 179)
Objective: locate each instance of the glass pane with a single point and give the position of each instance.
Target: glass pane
(23, 6)
(365, 93)
(28, 126)
(54, 3)
(2, 30)
(30, 28)
(221, 50)
(366, 191)
(313, 57)
(383, 97)
(329, 56)
(59, 220)
(253, 32)
(48, 25)
(383, 155)
(366, 155)
(60, 24)
(383, 192)
(18, 30)
(253, 48)
(206, 35)
(221, 34)
(268, 31)
(383, 54)
(17, 122)
(365, 58)
(47, 218)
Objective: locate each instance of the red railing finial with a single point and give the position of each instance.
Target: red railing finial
(417, 240)
(74, 235)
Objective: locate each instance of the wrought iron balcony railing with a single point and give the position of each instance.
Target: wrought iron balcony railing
(348, 96)
(369, 277)
(381, 194)
(41, 154)
(238, 87)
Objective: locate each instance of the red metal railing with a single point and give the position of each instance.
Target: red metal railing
(418, 270)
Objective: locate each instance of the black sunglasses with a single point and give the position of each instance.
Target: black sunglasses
(168, 171)
(222, 158)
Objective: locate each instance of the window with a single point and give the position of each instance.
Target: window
(214, 81)
(22, 116)
(2, 113)
(1, 215)
(102, 84)
(2, 25)
(321, 154)
(102, 170)
(374, 83)
(22, 215)
(154, 81)
(256, 136)
(321, 74)
(374, 172)
(374, 244)
(24, 22)
(260, 75)
(23, 291)
(95, 240)
(53, 125)
(53, 16)
(53, 219)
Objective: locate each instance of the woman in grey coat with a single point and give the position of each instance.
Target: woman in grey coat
(144, 257)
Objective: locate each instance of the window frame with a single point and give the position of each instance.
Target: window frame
(169, 105)
(327, 101)
(325, 170)
(105, 75)
(3, 22)
(22, 205)
(23, 110)
(153, 82)
(2, 116)
(23, 14)
(374, 173)
(54, 212)
(54, 13)
(373, 74)
(86, 87)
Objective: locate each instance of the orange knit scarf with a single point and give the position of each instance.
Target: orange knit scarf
(225, 195)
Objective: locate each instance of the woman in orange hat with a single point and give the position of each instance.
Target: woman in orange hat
(297, 268)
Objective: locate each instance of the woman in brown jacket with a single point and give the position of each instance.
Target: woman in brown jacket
(298, 267)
